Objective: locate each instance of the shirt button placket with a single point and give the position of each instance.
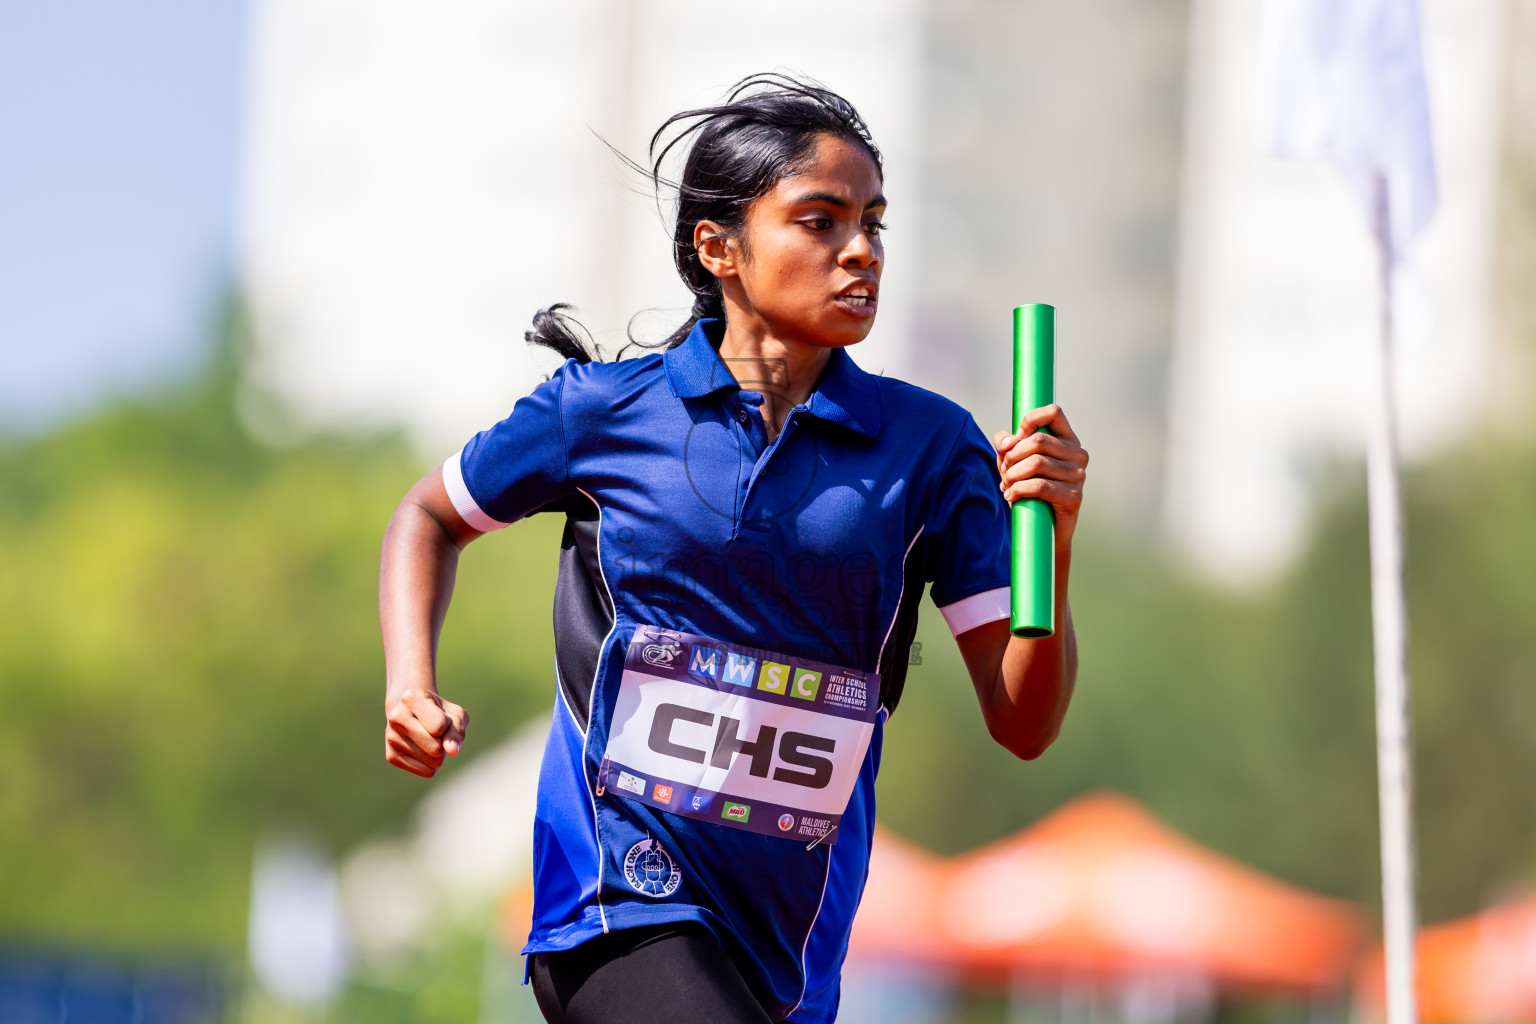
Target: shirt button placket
(743, 479)
(753, 478)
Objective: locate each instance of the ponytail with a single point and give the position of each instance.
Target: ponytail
(555, 329)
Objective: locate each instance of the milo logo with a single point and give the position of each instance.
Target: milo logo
(737, 812)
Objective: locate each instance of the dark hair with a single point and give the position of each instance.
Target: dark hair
(742, 148)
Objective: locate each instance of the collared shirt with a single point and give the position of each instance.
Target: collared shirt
(682, 514)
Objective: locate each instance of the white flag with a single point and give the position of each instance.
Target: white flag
(1345, 83)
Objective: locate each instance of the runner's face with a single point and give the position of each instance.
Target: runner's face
(813, 256)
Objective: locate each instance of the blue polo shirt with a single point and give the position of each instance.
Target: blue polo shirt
(682, 516)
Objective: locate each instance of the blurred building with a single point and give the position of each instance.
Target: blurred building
(1054, 147)
(421, 179)
(1280, 286)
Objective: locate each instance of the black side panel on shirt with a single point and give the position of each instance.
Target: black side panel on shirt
(583, 611)
(898, 650)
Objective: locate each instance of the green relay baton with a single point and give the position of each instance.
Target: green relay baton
(1033, 608)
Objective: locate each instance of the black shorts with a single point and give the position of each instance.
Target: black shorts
(670, 973)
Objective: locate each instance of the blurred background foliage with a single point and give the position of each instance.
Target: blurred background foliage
(1248, 720)
(189, 657)
(189, 653)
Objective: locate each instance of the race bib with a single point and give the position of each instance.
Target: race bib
(738, 736)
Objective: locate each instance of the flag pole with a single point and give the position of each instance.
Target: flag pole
(1389, 617)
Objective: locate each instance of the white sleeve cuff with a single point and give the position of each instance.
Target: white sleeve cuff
(463, 502)
(977, 610)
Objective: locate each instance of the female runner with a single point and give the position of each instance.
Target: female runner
(751, 520)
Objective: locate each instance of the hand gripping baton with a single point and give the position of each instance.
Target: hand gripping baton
(1033, 596)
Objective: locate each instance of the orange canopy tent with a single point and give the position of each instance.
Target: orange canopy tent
(1478, 968)
(898, 917)
(514, 915)
(1101, 889)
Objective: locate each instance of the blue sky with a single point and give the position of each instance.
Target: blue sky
(119, 137)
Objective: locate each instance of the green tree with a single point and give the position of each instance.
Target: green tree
(189, 655)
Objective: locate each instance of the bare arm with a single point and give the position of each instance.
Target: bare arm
(1025, 685)
(416, 573)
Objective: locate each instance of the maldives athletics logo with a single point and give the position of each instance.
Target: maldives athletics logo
(650, 870)
(786, 822)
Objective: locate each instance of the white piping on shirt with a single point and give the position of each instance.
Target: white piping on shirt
(805, 976)
(591, 706)
(560, 696)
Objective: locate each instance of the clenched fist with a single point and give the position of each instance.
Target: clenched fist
(421, 730)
